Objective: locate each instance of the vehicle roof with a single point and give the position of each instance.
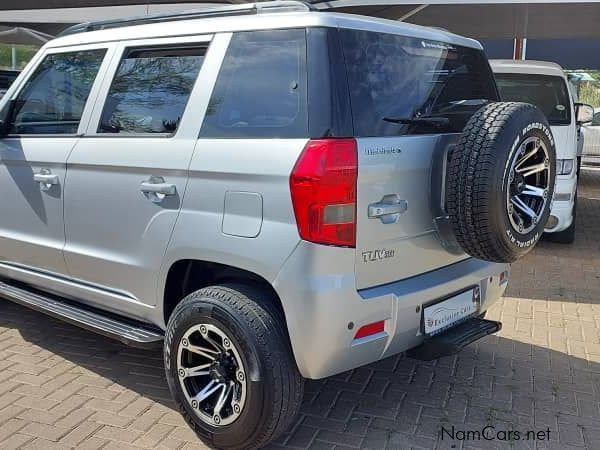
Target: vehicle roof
(527, 67)
(261, 21)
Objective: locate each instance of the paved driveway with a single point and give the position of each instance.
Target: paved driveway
(61, 387)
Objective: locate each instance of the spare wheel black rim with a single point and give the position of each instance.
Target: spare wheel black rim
(528, 184)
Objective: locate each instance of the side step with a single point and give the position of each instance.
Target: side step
(106, 324)
(454, 339)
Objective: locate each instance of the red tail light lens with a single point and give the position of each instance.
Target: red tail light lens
(370, 330)
(323, 186)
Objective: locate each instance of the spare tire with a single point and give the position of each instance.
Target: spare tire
(500, 181)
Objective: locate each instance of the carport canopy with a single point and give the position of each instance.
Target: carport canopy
(481, 19)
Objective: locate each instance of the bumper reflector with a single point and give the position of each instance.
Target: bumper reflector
(370, 330)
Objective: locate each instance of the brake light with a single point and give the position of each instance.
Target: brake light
(323, 187)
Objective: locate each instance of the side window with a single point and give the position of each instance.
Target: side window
(150, 90)
(261, 89)
(52, 100)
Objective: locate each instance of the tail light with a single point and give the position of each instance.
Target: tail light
(323, 187)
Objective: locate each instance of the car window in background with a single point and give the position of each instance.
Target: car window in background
(7, 77)
(548, 93)
(393, 76)
(261, 89)
(150, 90)
(52, 100)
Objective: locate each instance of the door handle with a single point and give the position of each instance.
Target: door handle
(156, 189)
(388, 210)
(159, 188)
(46, 179)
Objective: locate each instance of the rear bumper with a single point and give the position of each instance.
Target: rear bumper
(318, 291)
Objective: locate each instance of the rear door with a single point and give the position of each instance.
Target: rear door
(127, 176)
(410, 97)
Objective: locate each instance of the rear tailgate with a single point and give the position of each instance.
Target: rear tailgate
(397, 173)
(410, 97)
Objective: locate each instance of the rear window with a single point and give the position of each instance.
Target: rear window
(548, 93)
(394, 79)
(261, 88)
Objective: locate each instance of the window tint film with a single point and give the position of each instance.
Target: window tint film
(52, 100)
(150, 90)
(261, 88)
(546, 92)
(395, 79)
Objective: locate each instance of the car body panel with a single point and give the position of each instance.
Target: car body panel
(105, 173)
(399, 167)
(324, 310)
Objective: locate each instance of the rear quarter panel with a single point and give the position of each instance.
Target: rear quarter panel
(248, 168)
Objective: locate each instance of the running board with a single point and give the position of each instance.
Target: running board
(124, 330)
(454, 339)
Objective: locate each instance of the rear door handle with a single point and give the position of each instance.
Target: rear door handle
(156, 189)
(388, 210)
(46, 179)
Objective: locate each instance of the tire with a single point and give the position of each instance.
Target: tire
(485, 174)
(267, 396)
(566, 236)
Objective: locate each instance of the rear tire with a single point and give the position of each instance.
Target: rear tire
(251, 354)
(501, 179)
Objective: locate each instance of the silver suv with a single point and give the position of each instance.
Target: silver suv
(270, 193)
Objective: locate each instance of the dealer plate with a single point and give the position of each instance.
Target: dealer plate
(444, 314)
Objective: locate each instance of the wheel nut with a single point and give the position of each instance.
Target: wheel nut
(236, 408)
(217, 419)
(240, 376)
(194, 404)
(184, 342)
(182, 373)
(226, 343)
(203, 329)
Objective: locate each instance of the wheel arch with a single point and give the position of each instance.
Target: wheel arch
(189, 275)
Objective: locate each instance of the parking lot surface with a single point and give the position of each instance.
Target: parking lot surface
(534, 385)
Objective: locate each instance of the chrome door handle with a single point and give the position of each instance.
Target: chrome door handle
(159, 188)
(388, 210)
(156, 189)
(45, 179)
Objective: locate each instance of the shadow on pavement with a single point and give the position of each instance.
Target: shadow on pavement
(397, 403)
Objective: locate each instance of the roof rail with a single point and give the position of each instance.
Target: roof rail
(220, 11)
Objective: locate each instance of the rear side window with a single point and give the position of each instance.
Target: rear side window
(53, 98)
(394, 79)
(261, 88)
(150, 90)
(548, 93)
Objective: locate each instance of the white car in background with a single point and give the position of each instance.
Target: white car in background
(545, 85)
(591, 140)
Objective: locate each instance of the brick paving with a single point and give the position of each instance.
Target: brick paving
(62, 387)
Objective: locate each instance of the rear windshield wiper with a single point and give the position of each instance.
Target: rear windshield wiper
(419, 120)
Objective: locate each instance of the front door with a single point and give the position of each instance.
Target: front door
(43, 120)
(127, 176)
